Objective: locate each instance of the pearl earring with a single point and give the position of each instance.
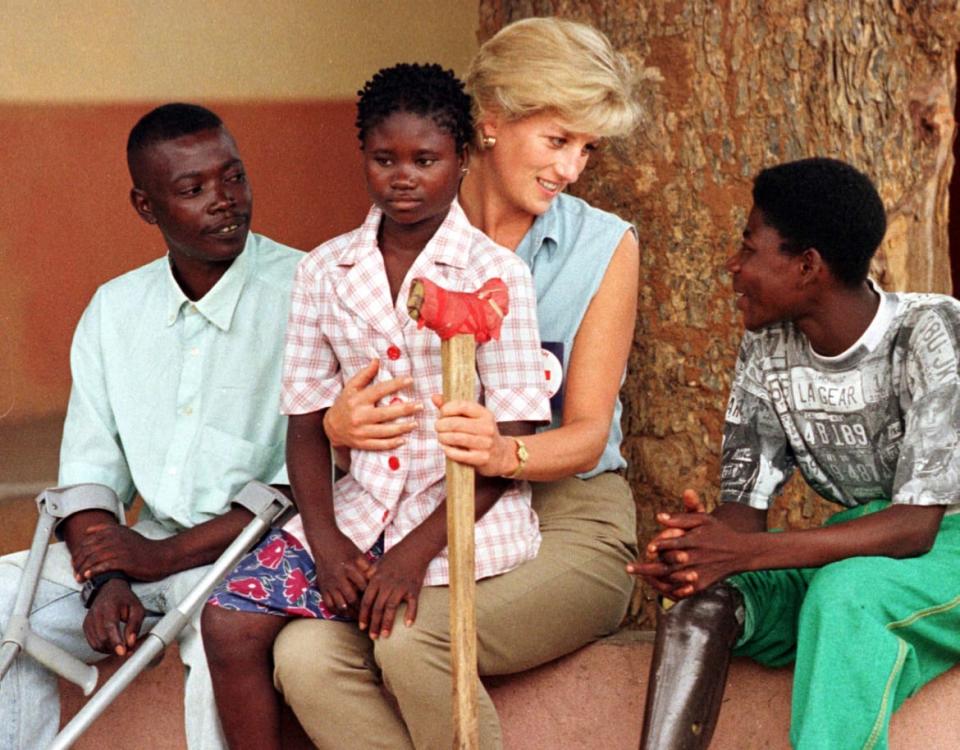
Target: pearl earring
(489, 141)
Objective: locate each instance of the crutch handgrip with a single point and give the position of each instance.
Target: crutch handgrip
(53, 505)
(257, 497)
(63, 502)
(269, 506)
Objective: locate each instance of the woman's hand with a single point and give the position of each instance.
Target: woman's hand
(468, 434)
(355, 420)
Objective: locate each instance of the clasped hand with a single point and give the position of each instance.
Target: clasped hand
(341, 572)
(113, 622)
(692, 551)
(352, 585)
(109, 546)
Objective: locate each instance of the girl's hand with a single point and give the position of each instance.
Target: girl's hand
(341, 571)
(396, 577)
(355, 420)
(468, 433)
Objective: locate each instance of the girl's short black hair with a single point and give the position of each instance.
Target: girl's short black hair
(824, 204)
(426, 90)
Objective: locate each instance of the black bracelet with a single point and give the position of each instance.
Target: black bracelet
(93, 585)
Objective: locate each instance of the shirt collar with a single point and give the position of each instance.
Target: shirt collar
(871, 337)
(448, 245)
(219, 304)
(543, 232)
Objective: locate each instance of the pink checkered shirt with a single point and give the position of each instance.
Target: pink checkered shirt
(342, 316)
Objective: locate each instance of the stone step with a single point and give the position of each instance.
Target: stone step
(590, 699)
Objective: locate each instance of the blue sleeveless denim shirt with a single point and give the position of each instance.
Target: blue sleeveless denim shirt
(568, 249)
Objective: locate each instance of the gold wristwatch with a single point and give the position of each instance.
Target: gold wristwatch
(522, 455)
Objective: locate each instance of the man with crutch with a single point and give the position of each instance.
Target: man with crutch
(176, 373)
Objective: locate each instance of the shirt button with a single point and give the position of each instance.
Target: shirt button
(188, 411)
(172, 471)
(393, 352)
(393, 462)
(194, 351)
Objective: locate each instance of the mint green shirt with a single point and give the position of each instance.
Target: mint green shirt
(179, 401)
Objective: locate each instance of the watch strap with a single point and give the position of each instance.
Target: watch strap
(93, 585)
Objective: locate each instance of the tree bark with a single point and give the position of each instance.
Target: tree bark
(730, 87)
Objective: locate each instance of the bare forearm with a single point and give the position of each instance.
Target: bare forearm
(202, 544)
(741, 517)
(593, 374)
(75, 527)
(430, 537)
(560, 453)
(99, 544)
(309, 465)
(898, 532)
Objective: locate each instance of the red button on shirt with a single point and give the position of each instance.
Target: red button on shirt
(393, 462)
(393, 352)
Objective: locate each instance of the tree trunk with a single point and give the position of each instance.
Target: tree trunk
(730, 87)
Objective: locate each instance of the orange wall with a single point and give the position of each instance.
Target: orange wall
(74, 77)
(66, 225)
(238, 50)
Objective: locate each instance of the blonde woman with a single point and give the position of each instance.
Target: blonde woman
(546, 92)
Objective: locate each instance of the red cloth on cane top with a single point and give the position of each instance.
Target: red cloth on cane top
(449, 313)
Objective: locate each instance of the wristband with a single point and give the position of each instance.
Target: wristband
(93, 585)
(522, 455)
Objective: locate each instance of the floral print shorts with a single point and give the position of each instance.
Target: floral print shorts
(278, 577)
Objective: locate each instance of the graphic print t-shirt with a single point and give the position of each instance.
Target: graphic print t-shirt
(880, 421)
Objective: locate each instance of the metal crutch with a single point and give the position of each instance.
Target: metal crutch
(269, 506)
(53, 505)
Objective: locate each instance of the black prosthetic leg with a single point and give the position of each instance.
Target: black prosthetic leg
(689, 669)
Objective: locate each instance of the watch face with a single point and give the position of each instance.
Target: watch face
(86, 593)
(522, 452)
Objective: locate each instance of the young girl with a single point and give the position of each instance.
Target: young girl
(359, 555)
(545, 90)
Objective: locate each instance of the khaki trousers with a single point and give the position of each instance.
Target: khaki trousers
(575, 591)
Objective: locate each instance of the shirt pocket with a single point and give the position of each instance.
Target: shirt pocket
(355, 343)
(225, 463)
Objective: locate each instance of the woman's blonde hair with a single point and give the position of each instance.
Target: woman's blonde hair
(550, 64)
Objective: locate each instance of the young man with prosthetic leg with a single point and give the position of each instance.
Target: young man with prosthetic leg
(860, 390)
(176, 381)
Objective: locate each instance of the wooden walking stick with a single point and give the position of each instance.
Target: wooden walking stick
(462, 320)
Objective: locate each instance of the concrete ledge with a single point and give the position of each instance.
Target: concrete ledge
(592, 698)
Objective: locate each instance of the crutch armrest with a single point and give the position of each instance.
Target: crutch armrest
(63, 502)
(257, 496)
